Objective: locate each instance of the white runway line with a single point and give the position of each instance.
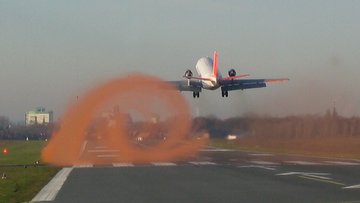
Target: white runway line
(102, 150)
(123, 165)
(319, 176)
(163, 164)
(49, 192)
(258, 166)
(264, 162)
(345, 163)
(261, 154)
(302, 162)
(101, 147)
(107, 155)
(302, 173)
(83, 147)
(202, 163)
(352, 187)
(316, 176)
(84, 166)
(217, 150)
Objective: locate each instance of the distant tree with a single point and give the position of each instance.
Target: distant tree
(21, 132)
(4, 123)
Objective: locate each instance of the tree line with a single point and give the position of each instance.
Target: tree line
(329, 124)
(9, 131)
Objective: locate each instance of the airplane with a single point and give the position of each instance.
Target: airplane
(211, 79)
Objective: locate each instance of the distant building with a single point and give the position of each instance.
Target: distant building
(40, 116)
(231, 137)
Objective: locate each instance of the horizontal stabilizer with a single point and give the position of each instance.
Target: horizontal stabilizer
(276, 80)
(236, 77)
(192, 85)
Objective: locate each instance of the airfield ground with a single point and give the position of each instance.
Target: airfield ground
(23, 178)
(335, 147)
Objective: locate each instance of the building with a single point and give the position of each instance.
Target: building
(231, 137)
(39, 116)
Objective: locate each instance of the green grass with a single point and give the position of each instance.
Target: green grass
(21, 152)
(22, 183)
(224, 144)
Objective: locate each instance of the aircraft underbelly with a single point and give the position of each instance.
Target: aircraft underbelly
(210, 85)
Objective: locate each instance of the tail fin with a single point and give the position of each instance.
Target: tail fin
(215, 64)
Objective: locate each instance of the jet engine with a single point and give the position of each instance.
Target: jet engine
(232, 72)
(188, 74)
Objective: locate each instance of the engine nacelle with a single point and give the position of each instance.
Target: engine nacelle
(232, 73)
(188, 74)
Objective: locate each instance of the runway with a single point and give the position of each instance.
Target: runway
(216, 175)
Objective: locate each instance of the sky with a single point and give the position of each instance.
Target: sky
(53, 51)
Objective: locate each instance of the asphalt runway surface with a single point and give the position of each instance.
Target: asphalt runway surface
(214, 175)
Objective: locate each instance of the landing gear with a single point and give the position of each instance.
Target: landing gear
(224, 93)
(196, 94)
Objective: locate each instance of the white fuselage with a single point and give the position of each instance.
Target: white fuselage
(204, 68)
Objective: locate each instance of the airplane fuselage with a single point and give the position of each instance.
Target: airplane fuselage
(204, 68)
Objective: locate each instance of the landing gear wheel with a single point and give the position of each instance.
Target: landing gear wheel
(224, 93)
(196, 94)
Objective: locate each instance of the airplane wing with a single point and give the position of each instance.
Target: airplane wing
(241, 84)
(187, 85)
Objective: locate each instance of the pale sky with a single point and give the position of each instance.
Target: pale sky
(51, 51)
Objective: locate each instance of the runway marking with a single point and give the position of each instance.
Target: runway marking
(217, 150)
(352, 187)
(163, 164)
(303, 173)
(263, 162)
(123, 165)
(316, 176)
(258, 166)
(49, 192)
(102, 150)
(101, 147)
(261, 154)
(302, 162)
(202, 163)
(313, 176)
(322, 180)
(343, 163)
(206, 158)
(83, 166)
(83, 146)
(107, 155)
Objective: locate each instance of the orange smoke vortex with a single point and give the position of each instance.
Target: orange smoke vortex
(158, 128)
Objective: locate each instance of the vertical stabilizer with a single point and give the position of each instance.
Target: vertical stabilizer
(215, 65)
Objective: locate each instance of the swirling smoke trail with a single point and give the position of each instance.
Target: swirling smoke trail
(139, 118)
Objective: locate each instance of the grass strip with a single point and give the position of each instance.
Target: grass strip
(335, 147)
(23, 179)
